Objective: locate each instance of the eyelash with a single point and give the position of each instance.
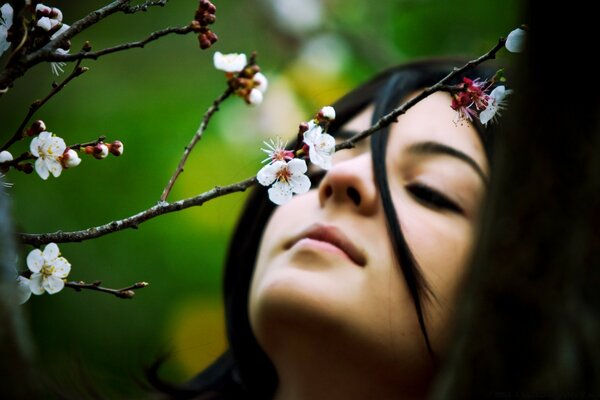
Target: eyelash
(432, 198)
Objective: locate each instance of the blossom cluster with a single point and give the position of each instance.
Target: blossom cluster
(48, 24)
(47, 271)
(474, 100)
(52, 155)
(246, 80)
(205, 15)
(286, 169)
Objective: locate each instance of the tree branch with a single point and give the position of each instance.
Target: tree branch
(440, 86)
(164, 208)
(144, 6)
(195, 139)
(135, 220)
(181, 30)
(124, 293)
(37, 104)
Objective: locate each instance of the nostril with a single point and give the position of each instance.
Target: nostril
(354, 195)
(328, 191)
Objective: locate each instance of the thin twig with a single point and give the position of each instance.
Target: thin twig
(144, 6)
(440, 86)
(164, 207)
(195, 139)
(38, 239)
(36, 105)
(91, 143)
(179, 30)
(124, 293)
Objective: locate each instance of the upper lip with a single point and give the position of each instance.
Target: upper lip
(334, 236)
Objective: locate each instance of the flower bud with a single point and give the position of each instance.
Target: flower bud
(255, 97)
(126, 294)
(260, 82)
(5, 156)
(88, 149)
(70, 158)
(195, 25)
(100, 151)
(204, 42)
(327, 112)
(26, 167)
(42, 10)
(36, 128)
(47, 24)
(210, 35)
(116, 148)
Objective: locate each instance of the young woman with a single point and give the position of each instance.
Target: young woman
(347, 291)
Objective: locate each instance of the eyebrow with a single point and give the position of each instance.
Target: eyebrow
(437, 148)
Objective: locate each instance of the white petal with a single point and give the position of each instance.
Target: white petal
(300, 184)
(35, 284)
(233, 62)
(280, 193)
(41, 168)
(5, 156)
(261, 81)
(488, 114)
(33, 147)
(53, 284)
(53, 166)
(7, 15)
(46, 23)
(57, 146)
(51, 252)
(515, 42)
(23, 289)
(267, 174)
(43, 9)
(255, 97)
(297, 166)
(312, 134)
(35, 260)
(59, 15)
(61, 267)
(44, 136)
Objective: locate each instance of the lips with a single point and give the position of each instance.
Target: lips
(334, 236)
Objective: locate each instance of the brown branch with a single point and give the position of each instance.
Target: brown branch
(144, 6)
(38, 239)
(440, 86)
(181, 30)
(165, 208)
(195, 139)
(37, 104)
(92, 143)
(124, 293)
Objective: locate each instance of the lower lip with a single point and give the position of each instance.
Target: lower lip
(321, 246)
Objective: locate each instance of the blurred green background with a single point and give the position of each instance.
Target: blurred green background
(152, 99)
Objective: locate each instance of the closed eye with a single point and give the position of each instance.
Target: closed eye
(432, 198)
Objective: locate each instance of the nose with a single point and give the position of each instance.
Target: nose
(350, 182)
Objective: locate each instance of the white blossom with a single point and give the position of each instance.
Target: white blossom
(232, 62)
(255, 97)
(496, 102)
(70, 159)
(23, 289)
(515, 41)
(5, 156)
(6, 20)
(48, 270)
(261, 82)
(48, 149)
(286, 179)
(321, 146)
(328, 112)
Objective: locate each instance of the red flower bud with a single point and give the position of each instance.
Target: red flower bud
(116, 148)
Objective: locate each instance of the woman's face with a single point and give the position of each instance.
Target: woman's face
(326, 279)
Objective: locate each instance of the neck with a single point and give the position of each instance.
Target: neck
(317, 374)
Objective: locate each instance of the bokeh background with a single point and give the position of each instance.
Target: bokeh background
(152, 99)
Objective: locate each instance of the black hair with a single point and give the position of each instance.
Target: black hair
(244, 370)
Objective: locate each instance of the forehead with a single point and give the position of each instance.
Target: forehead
(431, 119)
